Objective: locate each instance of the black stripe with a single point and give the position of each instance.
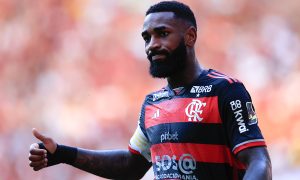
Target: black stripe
(211, 171)
(187, 132)
(204, 171)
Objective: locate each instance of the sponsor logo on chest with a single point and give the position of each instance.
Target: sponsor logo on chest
(201, 89)
(166, 167)
(167, 136)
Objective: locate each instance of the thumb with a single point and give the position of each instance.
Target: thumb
(48, 142)
(39, 136)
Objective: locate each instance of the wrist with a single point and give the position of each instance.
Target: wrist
(66, 154)
(62, 154)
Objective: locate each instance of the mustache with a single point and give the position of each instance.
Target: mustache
(155, 52)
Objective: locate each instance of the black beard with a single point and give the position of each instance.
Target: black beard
(175, 62)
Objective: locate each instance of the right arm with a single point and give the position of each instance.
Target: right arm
(112, 164)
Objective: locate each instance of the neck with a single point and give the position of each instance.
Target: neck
(187, 76)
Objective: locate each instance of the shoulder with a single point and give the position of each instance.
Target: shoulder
(215, 83)
(157, 95)
(223, 83)
(221, 79)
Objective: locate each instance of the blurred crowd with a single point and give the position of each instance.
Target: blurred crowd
(77, 71)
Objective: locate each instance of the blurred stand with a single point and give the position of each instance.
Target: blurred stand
(77, 71)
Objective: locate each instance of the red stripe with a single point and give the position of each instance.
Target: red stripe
(235, 174)
(238, 81)
(247, 145)
(133, 151)
(200, 152)
(212, 76)
(174, 110)
(225, 76)
(218, 74)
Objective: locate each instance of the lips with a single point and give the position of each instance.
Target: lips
(158, 57)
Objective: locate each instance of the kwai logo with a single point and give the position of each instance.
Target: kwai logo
(194, 110)
(236, 107)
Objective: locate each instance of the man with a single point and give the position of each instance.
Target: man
(202, 125)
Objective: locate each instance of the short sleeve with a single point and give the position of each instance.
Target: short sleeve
(241, 122)
(139, 143)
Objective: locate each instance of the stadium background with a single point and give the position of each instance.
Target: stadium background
(76, 70)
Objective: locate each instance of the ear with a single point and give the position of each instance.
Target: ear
(190, 36)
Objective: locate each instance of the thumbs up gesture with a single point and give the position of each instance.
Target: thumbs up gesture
(38, 155)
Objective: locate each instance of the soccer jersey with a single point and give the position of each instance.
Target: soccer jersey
(194, 132)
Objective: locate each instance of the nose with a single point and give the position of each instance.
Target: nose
(153, 45)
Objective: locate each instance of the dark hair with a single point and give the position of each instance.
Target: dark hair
(179, 9)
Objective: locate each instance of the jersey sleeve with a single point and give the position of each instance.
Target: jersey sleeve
(139, 143)
(240, 119)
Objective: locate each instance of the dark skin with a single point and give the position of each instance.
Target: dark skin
(111, 164)
(258, 163)
(163, 31)
(160, 31)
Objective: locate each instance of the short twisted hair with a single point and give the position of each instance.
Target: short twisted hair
(179, 9)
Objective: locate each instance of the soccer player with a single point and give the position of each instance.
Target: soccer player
(202, 125)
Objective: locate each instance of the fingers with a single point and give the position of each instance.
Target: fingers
(37, 165)
(37, 157)
(39, 135)
(38, 168)
(34, 150)
(34, 146)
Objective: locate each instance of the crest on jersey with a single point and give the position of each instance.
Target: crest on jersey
(194, 110)
(251, 114)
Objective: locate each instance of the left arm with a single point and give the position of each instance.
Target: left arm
(244, 135)
(258, 163)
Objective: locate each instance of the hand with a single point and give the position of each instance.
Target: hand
(38, 157)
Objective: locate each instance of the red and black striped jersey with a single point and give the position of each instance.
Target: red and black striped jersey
(194, 132)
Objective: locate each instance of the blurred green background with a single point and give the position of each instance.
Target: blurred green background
(77, 71)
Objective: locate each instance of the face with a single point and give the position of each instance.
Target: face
(164, 44)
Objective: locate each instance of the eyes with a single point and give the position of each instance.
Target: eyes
(161, 34)
(146, 38)
(164, 34)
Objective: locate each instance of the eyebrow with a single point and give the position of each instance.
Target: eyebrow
(156, 29)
